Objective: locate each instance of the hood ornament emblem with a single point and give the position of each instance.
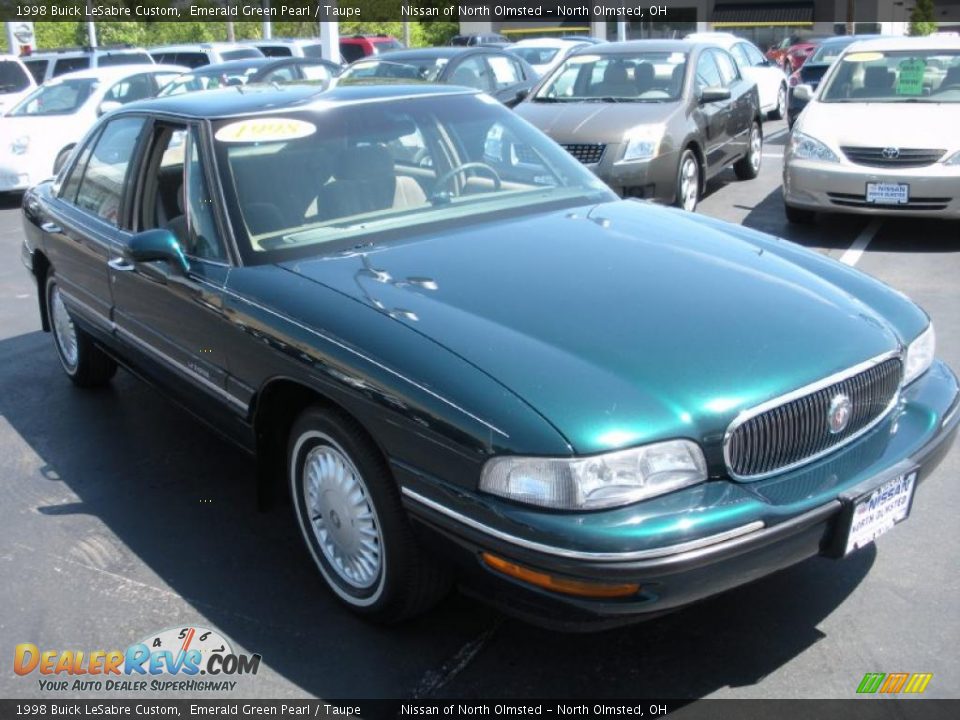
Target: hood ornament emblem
(838, 414)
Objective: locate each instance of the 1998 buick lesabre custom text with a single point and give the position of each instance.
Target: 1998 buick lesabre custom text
(439, 331)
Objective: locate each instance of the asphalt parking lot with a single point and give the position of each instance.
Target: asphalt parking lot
(123, 516)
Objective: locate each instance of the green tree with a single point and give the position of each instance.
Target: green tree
(922, 18)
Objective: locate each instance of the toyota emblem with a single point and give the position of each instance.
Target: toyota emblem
(890, 153)
(838, 415)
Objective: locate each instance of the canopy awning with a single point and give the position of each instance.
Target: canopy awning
(757, 15)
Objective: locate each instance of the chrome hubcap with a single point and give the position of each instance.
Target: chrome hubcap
(343, 519)
(781, 99)
(756, 148)
(63, 329)
(689, 184)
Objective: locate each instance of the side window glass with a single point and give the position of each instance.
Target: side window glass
(68, 190)
(315, 72)
(707, 73)
(504, 72)
(66, 65)
(203, 238)
(281, 75)
(755, 56)
(101, 189)
(136, 87)
(472, 72)
(740, 55)
(728, 69)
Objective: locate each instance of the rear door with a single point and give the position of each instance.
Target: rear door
(507, 78)
(82, 224)
(713, 117)
(741, 105)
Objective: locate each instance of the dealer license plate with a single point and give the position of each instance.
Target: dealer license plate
(888, 193)
(879, 510)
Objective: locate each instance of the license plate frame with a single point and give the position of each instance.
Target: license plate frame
(883, 193)
(860, 526)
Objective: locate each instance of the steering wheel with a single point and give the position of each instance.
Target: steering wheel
(466, 167)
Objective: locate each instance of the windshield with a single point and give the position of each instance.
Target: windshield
(426, 69)
(895, 76)
(323, 176)
(828, 52)
(57, 97)
(13, 78)
(640, 77)
(207, 80)
(536, 55)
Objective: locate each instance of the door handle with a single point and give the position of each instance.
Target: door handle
(51, 227)
(121, 264)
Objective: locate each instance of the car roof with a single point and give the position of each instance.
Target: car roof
(250, 100)
(73, 52)
(723, 39)
(228, 65)
(907, 43)
(847, 39)
(283, 41)
(112, 72)
(188, 47)
(445, 51)
(548, 42)
(634, 46)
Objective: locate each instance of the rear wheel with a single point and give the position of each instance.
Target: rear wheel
(688, 181)
(748, 167)
(348, 509)
(83, 362)
(778, 112)
(799, 216)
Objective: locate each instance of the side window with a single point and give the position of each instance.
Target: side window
(315, 72)
(66, 65)
(276, 50)
(504, 72)
(37, 68)
(728, 69)
(136, 87)
(708, 75)
(191, 59)
(281, 75)
(68, 190)
(350, 52)
(472, 72)
(755, 57)
(101, 189)
(739, 52)
(203, 238)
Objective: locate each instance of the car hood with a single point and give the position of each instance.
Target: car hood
(912, 125)
(592, 121)
(621, 323)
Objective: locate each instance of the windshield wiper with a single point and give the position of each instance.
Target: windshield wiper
(547, 99)
(607, 99)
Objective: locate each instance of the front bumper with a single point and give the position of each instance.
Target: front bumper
(841, 187)
(13, 178)
(687, 545)
(654, 179)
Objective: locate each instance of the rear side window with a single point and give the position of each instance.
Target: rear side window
(101, 189)
(108, 59)
(350, 52)
(276, 50)
(13, 78)
(72, 64)
(190, 59)
(135, 87)
(37, 68)
(241, 54)
(505, 72)
(312, 51)
(728, 69)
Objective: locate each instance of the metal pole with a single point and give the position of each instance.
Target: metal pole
(621, 30)
(91, 28)
(330, 40)
(406, 33)
(11, 40)
(267, 24)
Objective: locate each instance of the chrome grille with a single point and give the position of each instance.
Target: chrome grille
(892, 157)
(588, 154)
(796, 431)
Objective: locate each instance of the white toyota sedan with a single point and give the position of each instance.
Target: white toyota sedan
(37, 134)
(880, 135)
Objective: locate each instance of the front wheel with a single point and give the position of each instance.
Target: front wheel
(748, 167)
(688, 181)
(348, 509)
(778, 112)
(83, 362)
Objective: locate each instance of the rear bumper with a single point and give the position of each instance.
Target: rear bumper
(841, 187)
(766, 525)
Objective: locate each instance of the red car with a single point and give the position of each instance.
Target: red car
(354, 47)
(793, 51)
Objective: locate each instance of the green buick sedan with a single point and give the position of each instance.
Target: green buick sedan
(468, 362)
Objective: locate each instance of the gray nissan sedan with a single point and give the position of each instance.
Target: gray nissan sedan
(652, 118)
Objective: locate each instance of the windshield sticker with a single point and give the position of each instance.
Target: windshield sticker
(265, 130)
(863, 57)
(910, 78)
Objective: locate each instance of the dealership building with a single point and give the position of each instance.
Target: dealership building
(764, 21)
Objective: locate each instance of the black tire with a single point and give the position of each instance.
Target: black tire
(799, 216)
(748, 167)
(780, 110)
(62, 157)
(406, 582)
(683, 201)
(88, 365)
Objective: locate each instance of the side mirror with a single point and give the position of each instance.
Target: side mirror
(803, 92)
(108, 106)
(714, 94)
(518, 98)
(151, 245)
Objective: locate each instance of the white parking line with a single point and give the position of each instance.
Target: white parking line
(853, 253)
(772, 154)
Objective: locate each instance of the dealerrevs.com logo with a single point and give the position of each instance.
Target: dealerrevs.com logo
(189, 659)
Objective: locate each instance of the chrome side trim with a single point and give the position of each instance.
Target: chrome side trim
(813, 387)
(177, 365)
(367, 358)
(951, 413)
(659, 552)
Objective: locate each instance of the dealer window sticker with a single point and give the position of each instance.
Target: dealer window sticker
(910, 76)
(269, 129)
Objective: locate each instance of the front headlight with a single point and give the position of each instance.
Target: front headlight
(953, 159)
(920, 355)
(643, 143)
(20, 145)
(600, 481)
(804, 147)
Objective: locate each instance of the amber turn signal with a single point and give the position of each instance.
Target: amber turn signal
(558, 584)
